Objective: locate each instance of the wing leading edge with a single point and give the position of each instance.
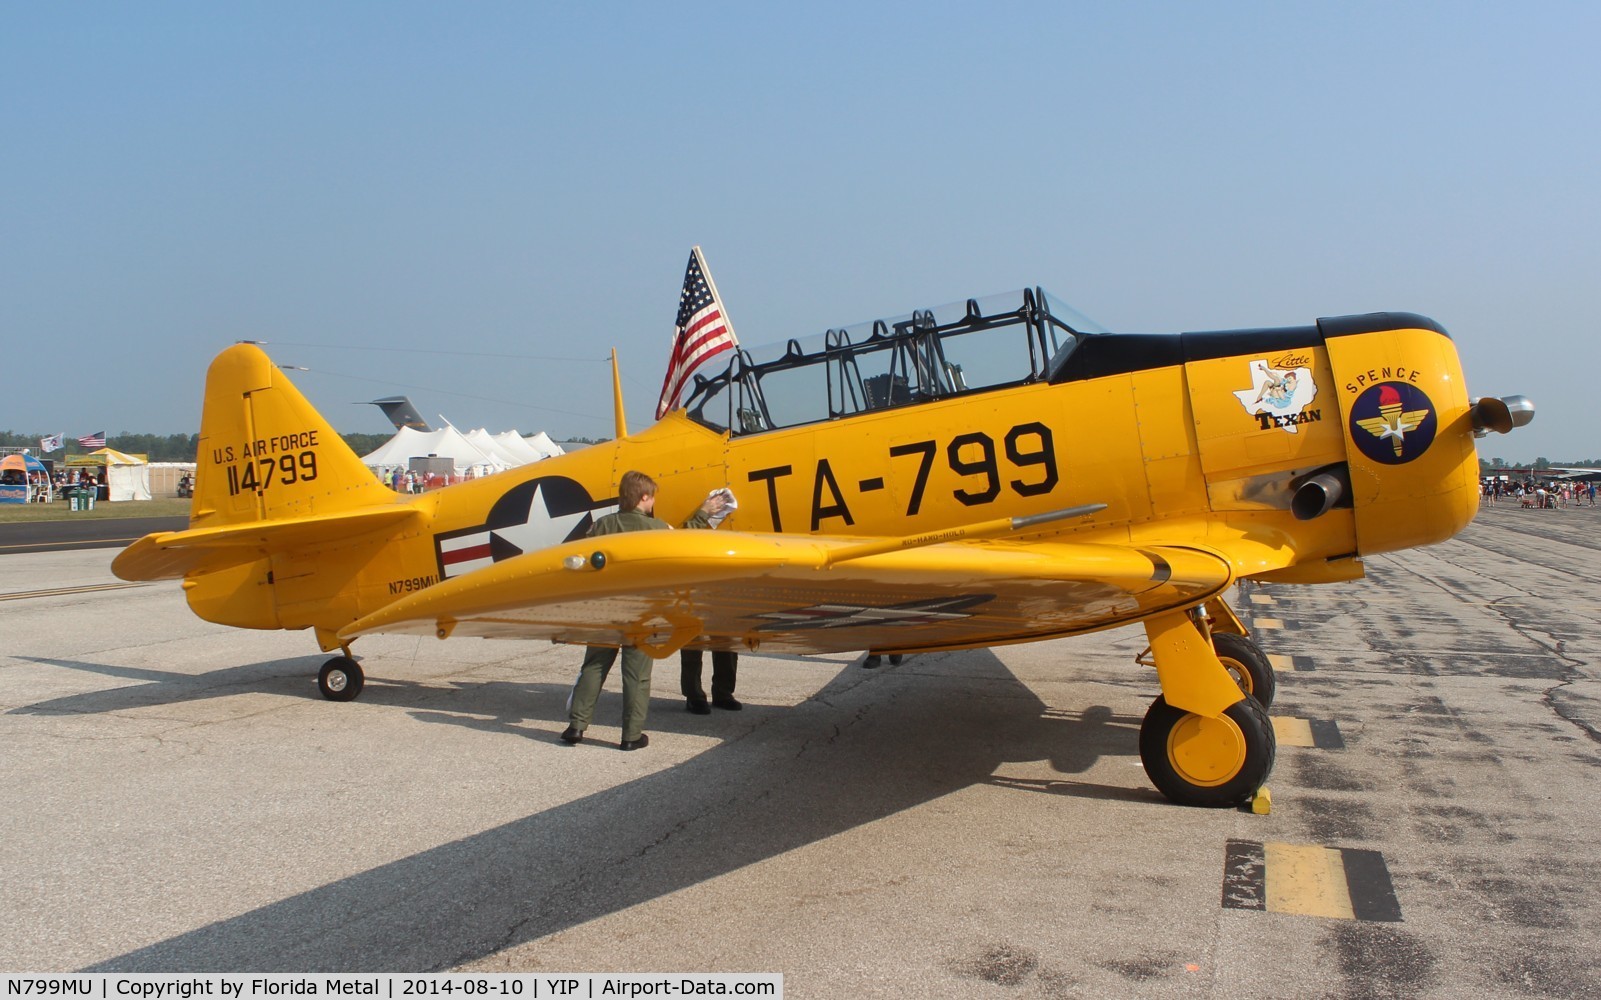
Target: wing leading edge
(663, 590)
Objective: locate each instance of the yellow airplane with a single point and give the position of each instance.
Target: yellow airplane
(999, 471)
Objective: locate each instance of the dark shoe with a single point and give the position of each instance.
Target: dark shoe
(731, 703)
(697, 706)
(639, 744)
(573, 736)
(872, 661)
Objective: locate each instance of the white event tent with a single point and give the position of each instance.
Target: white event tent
(127, 476)
(476, 453)
(542, 444)
(492, 447)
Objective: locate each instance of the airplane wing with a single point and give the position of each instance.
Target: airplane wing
(661, 590)
(166, 555)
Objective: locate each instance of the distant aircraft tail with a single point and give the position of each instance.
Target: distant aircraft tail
(266, 454)
(402, 413)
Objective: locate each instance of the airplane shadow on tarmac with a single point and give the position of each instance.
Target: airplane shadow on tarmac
(163, 687)
(866, 746)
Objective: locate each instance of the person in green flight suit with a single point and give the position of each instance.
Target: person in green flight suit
(636, 506)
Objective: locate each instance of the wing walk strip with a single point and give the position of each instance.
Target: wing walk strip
(65, 591)
(1343, 883)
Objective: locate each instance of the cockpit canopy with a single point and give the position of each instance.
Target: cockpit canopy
(982, 344)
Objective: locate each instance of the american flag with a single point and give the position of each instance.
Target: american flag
(95, 440)
(703, 331)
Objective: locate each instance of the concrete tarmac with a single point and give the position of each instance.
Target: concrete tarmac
(176, 796)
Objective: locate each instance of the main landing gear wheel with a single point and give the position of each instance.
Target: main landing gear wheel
(1248, 665)
(1199, 761)
(340, 679)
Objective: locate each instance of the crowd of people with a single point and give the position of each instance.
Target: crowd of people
(1543, 495)
(42, 487)
(410, 481)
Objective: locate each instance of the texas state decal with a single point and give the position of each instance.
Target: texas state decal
(532, 515)
(1281, 392)
(1393, 422)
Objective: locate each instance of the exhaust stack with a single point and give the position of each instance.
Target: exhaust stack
(1501, 414)
(1321, 492)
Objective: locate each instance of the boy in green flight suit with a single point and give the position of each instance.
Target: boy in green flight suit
(636, 506)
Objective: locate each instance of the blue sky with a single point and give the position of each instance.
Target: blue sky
(370, 186)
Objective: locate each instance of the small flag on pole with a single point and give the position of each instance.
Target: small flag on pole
(95, 440)
(53, 442)
(703, 331)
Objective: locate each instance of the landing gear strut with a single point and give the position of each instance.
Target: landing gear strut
(1207, 741)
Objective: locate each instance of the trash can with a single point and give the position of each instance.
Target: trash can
(80, 499)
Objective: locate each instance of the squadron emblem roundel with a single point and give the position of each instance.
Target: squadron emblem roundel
(1393, 422)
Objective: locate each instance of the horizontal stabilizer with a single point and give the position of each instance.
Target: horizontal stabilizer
(166, 555)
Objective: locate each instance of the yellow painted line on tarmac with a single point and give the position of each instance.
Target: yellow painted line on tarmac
(1306, 880)
(1281, 662)
(1262, 599)
(1321, 734)
(68, 591)
(1292, 732)
(1339, 883)
(1268, 623)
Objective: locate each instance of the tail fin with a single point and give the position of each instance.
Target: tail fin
(266, 454)
(401, 413)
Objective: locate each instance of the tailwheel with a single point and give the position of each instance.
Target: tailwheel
(1248, 665)
(1199, 761)
(340, 679)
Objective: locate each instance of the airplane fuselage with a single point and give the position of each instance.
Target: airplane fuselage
(1190, 439)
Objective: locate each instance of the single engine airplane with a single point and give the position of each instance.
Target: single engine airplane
(998, 471)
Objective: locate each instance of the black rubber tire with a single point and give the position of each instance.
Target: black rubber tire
(1236, 788)
(1251, 668)
(340, 679)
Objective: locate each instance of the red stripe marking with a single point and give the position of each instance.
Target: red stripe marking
(465, 555)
